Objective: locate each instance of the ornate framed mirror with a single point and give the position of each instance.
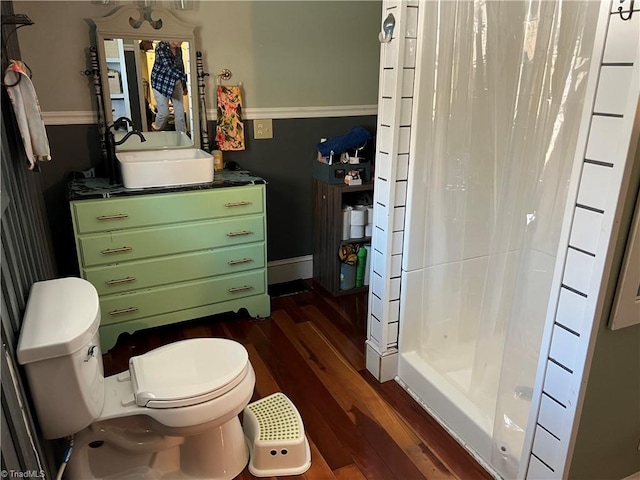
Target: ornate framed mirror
(126, 41)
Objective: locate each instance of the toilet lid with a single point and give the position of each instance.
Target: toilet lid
(187, 372)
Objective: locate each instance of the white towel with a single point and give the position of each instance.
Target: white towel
(27, 110)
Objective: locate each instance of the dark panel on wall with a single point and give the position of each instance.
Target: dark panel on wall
(73, 148)
(286, 162)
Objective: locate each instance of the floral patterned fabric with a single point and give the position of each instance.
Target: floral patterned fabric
(230, 130)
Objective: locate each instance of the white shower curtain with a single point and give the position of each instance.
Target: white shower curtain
(507, 81)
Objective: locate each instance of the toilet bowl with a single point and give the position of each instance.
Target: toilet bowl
(173, 414)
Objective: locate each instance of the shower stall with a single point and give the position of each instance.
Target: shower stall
(498, 99)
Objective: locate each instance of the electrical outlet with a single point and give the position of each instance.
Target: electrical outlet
(262, 129)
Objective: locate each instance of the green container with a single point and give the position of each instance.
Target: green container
(361, 265)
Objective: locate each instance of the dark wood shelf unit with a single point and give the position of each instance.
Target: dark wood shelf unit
(355, 240)
(328, 200)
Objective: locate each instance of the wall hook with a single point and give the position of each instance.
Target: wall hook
(387, 29)
(628, 17)
(17, 21)
(225, 74)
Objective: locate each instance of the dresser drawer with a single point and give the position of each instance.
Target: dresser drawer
(154, 272)
(126, 245)
(160, 300)
(103, 215)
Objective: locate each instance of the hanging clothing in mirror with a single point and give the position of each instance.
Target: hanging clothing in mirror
(169, 83)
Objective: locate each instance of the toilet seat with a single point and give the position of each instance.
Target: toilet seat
(187, 372)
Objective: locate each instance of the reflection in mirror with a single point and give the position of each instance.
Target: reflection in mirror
(128, 42)
(129, 66)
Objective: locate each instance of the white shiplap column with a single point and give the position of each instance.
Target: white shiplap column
(601, 176)
(395, 103)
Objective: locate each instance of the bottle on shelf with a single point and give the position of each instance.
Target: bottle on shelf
(347, 276)
(360, 268)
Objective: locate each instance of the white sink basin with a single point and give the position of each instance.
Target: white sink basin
(164, 168)
(154, 141)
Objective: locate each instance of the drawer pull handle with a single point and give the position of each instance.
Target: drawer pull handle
(235, 234)
(117, 250)
(121, 280)
(240, 289)
(242, 260)
(123, 310)
(116, 216)
(237, 204)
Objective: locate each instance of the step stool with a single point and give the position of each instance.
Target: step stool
(275, 436)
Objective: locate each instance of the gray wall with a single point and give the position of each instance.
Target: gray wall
(286, 164)
(286, 53)
(609, 432)
(73, 148)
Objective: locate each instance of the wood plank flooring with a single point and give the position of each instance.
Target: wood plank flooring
(312, 350)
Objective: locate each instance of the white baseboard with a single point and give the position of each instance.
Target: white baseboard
(289, 269)
(383, 366)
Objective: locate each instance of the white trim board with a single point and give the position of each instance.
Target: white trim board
(303, 112)
(90, 117)
(70, 118)
(288, 269)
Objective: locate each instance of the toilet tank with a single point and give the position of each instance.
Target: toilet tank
(60, 350)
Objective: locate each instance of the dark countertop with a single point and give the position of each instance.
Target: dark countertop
(91, 188)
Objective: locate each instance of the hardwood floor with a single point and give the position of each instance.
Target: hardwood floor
(312, 350)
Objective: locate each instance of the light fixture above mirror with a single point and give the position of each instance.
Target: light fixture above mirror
(126, 41)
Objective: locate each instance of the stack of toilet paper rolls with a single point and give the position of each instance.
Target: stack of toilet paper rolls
(357, 222)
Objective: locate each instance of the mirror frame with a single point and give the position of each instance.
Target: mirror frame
(147, 23)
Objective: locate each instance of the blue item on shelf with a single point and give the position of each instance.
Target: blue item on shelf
(347, 276)
(356, 137)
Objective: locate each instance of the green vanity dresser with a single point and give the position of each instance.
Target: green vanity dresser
(164, 255)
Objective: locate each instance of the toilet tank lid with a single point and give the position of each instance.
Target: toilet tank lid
(62, 316)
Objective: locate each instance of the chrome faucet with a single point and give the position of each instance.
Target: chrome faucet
(110, 144)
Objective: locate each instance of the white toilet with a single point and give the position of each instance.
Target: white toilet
(173, 414)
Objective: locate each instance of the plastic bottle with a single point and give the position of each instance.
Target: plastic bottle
(362, 262)
(217, 160)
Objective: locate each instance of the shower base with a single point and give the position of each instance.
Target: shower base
(443, 400)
